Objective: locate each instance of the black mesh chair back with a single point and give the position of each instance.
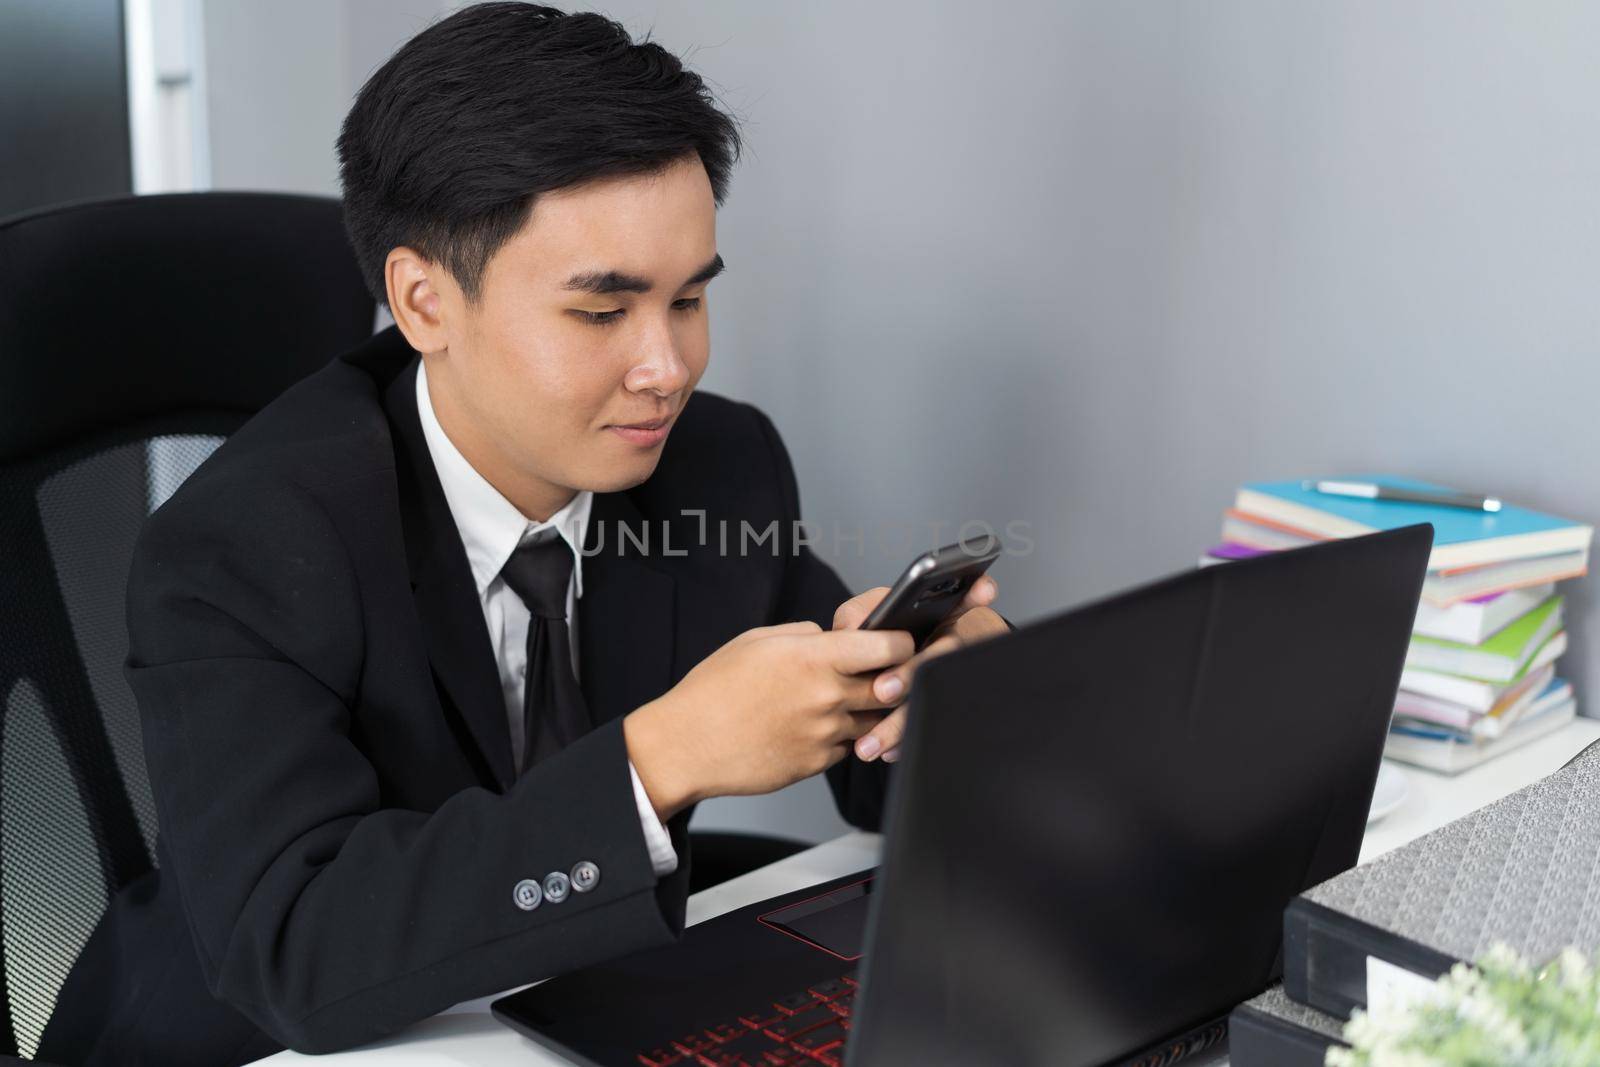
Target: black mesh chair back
(135, 334)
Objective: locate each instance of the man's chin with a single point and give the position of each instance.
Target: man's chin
(623, 475)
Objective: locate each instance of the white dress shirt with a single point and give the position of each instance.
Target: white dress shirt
(491, 529)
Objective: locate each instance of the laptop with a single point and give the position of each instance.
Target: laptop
(1092, 834)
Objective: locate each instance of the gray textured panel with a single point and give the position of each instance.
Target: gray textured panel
(1524, 870)
(1276, 1003)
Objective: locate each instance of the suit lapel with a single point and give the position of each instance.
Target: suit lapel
(627, 615)
(446, 595)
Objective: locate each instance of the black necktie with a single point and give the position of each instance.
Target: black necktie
(554, 713)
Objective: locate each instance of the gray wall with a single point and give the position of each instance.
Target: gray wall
(1090, 265)
(281, 75)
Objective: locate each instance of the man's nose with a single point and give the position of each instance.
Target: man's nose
(660, 369)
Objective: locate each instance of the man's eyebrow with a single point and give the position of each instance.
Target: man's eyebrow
(612, 281)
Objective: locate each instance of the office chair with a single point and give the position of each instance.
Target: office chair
(135, 333)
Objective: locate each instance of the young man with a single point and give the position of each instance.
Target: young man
(437, 653)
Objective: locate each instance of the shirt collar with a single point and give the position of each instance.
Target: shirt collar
(491, 526)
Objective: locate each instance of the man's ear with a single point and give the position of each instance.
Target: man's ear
(419, 291)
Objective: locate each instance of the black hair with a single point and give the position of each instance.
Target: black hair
(450, 142)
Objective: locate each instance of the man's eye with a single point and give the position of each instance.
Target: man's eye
(601, 318)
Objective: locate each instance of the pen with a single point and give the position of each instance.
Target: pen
(1410, 496)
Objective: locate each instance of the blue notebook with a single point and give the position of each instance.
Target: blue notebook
(1461, 537)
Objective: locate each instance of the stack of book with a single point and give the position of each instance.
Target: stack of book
(1481, 674)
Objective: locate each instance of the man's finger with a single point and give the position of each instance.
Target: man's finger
(804, 626)
(884, 736)
(858, 696)
(863, 721)
(855, 651)
(971, 625)
(891, 685)
(980, 595)
(853, 612)
(854, 723)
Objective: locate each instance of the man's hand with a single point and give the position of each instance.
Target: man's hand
(972, 620)
(772, 706)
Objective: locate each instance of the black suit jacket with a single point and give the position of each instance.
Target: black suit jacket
(341, 826)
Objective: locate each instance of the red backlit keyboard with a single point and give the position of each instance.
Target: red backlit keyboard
(804, 1028)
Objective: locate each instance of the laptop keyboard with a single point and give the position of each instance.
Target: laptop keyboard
(811, 1027)
(795, 1030)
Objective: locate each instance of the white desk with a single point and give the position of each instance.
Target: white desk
(468, 1036)
(1436, 799)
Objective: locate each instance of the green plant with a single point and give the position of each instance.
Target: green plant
(1501, 1013)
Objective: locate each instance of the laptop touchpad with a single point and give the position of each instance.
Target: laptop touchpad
(835, 922)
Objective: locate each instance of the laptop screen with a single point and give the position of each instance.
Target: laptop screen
(1100, 818)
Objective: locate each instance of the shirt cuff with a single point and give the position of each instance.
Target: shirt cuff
(663, 857)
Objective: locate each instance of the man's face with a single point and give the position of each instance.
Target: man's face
(559, 377)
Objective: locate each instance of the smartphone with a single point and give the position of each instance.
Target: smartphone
(932, 586)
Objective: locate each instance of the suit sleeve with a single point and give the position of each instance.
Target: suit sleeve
(811, 589)
(325, 916)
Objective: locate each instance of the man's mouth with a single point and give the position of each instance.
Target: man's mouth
(648, 433)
